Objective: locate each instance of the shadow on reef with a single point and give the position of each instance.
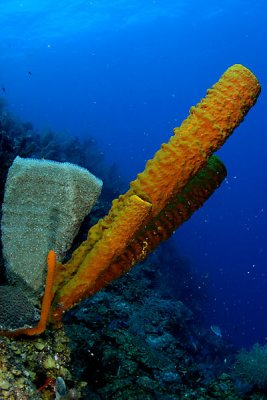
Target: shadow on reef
(140, 338)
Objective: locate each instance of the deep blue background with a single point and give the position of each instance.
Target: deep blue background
(127, 72)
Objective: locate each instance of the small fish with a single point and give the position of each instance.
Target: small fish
(193, 343)
(216, 330)
(4, 89)
(30, 74)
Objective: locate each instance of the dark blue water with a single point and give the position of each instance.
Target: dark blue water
(126, 73)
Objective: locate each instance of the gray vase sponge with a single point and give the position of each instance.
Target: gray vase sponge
(44, 205)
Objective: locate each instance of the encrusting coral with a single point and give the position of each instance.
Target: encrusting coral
(171, 184)
(175, 183)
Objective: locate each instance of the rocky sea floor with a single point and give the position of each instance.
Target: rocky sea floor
(140, 338)
(127, 342)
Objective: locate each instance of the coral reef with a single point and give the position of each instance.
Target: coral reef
(174, 184)
(126, 342)
(28, 369)
(132, 339)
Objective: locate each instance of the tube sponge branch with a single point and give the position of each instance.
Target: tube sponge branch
(175, 183)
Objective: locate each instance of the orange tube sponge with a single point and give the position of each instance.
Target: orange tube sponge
(163, 187)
